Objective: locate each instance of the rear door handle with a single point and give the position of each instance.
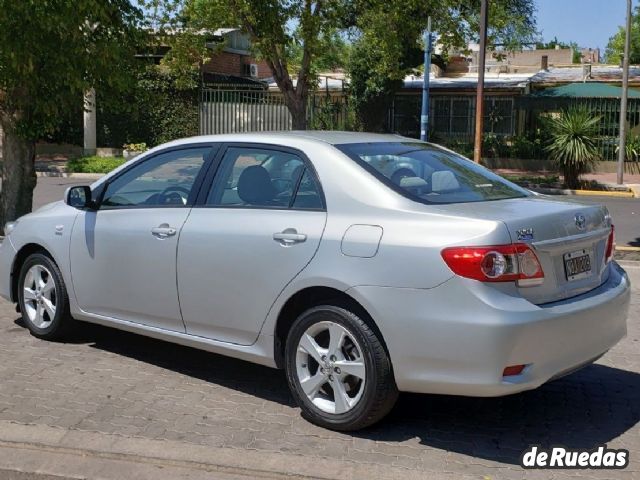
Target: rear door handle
(289, 236)
(163, 231)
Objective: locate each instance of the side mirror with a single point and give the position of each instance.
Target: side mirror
(79, 197)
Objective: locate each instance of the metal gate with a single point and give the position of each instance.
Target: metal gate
(231, 111)
(237, 111)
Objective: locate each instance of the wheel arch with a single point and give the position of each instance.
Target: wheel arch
(20, 258)
(310, 297)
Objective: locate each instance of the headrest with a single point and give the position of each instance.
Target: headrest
(254, 186)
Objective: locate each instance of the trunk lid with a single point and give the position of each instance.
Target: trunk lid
(558, 230)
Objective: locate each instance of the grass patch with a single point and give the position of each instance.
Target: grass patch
(553, 181)
(94, 164)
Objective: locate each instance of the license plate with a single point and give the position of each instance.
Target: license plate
(577, 264)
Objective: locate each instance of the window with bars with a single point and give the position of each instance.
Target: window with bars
(455, 116)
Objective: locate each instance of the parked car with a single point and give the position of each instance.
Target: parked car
(301, 251)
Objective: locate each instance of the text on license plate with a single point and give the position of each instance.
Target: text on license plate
(577, 264)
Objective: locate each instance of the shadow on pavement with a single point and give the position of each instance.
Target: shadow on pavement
(590, 407)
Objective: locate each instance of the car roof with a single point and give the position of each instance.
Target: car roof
(325, 136)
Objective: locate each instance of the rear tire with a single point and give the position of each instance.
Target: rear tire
(43, 299)
(338, 369)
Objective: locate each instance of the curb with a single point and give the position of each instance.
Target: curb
(624, 248)
(595, 193)
(628, 263)
(88, 454)
(603, 193)
(54, 174)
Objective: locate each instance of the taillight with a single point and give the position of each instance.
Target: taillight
(498, 263)
(611, 246)
(513, 370)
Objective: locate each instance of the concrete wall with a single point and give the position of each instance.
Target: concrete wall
(228, 63)
(541, 165)
(525, 61)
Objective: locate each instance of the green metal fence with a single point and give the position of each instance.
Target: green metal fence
(514, 125)
(608, 109)
(452, 117)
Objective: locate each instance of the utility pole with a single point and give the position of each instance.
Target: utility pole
(477, 147)
(424, 114)
(89, 122)
(622, 151)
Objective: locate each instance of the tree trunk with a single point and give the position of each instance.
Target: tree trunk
(18, 174)
(298, 109)
(295, 97)
(571, 177)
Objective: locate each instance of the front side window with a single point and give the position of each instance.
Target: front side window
(164, 180)
(430, 174)
(254, 177)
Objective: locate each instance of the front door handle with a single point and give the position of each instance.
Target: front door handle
(163, 231)
(289, 236)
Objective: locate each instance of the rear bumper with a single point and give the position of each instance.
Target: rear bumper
(457, 338)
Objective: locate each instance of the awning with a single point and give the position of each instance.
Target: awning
(585, 90)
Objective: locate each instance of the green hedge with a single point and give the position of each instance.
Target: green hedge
(94, 164)
(154, 111)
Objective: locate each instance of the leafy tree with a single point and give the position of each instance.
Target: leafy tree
(577, 55)
(389, 43)
(300, 37)
(50, 53)
(284, 33)
(615, 48)
(333, 53)
(572, 144)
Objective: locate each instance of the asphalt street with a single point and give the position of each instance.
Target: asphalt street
(625, 211)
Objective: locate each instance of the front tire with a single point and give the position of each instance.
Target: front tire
(43, 299)
(338, 370)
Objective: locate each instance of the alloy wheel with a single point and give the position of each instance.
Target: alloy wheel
(330, 367)
(39, 296)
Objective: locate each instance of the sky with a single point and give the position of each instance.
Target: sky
(589, 23)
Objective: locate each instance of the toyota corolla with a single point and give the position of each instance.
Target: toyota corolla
(361, 264)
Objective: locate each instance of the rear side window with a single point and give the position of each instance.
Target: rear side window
(252, 177)
(429, 174)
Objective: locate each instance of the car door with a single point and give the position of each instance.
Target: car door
(254, 230)
(123, 256)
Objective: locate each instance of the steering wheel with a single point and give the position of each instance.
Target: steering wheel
(174, 195)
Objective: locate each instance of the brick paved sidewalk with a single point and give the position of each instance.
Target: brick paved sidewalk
(109, 396)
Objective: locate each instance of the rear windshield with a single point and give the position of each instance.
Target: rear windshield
(430, 174)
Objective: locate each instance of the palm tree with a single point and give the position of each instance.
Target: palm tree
(573, 145)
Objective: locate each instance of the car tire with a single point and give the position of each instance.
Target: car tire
(330, 390)
(43, 298)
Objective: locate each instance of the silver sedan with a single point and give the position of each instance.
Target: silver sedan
(361, 264)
